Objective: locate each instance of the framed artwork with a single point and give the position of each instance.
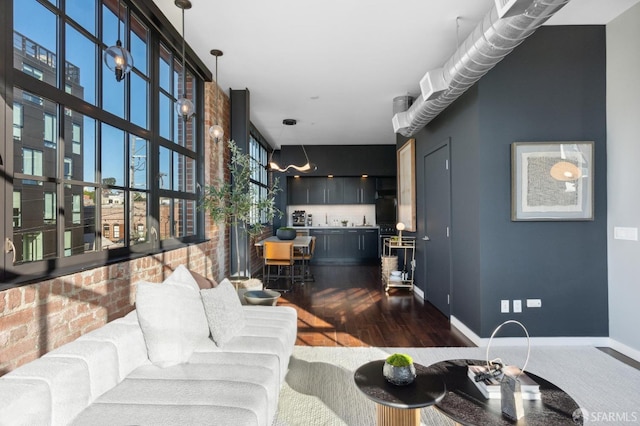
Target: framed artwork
(551, 181)
(406, 185)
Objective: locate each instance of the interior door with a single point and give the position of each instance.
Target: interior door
(437, 187)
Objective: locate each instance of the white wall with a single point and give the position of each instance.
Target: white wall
(623, 178)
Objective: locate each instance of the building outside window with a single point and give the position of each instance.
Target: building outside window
(96, 164)
(18, 121)
(32, 162)
(49, 207)
(50, 130)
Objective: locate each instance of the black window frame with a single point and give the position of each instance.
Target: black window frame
(160, 31)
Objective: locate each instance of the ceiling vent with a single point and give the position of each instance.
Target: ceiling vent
(432, 84)
(491, 40)
(508, 8)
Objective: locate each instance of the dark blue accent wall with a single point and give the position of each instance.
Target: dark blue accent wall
(551, 88)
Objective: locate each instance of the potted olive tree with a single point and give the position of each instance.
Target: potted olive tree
(236, 202)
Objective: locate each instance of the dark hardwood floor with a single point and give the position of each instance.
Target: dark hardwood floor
(347, 306)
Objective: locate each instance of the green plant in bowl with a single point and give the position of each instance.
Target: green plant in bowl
(399, 370)
(399, 360)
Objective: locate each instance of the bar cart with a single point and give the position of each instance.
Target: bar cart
(393, 245)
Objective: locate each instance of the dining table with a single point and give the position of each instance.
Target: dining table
(302, 242)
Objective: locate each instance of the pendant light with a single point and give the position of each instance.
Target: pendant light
(216, 131)
(117, 58)
(184, 107)
(305, 168)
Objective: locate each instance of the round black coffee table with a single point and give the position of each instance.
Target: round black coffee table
(465, 404)
(399, 405)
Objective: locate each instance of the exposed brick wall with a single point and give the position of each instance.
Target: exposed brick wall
(39, 317)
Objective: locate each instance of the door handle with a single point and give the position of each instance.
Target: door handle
(426, 238)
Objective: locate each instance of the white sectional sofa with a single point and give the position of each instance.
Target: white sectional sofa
(106, 377)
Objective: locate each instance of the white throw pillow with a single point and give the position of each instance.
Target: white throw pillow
(181, 276)
(171, 317)
(224, 312)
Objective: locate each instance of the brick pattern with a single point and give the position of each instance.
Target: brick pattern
(40, 317)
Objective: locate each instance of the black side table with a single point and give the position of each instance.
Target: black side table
(399, 405)
(465, 404)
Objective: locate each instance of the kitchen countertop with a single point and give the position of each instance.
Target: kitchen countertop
(336, 227)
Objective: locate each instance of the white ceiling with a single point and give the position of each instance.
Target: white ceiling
(336, 65)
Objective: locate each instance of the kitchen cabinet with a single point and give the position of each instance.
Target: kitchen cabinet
(337, 190)
(334, 190)
(358, 190)
(361, 244)
(315, 191)
(352, 242)
(298, 191)
(329, 244)
(370, 242)
(345, 245)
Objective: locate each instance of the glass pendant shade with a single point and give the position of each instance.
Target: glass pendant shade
(119, 60)
(216, 132)
(185, 108)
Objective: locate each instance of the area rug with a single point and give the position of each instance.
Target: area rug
(319, 387)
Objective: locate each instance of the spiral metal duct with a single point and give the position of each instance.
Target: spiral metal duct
(493, 39)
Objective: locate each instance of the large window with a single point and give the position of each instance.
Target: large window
(259, 175)
(122, 175)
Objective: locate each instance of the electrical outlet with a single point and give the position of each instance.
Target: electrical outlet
(534, 303)
(504, 306)
(517, 306)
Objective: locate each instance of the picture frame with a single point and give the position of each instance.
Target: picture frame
(552, 181)
(406, 185)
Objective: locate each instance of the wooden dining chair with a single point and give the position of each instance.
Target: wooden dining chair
(304, 256)
(280, 255)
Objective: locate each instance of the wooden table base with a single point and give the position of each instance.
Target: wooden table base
(390, 416)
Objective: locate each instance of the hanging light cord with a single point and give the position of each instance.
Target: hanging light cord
(217, 90)
(184, 70)
(118, 17)
(305, 154)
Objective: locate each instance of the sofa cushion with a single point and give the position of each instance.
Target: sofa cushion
(101, 359)
(24, 401)
(111, 414)
(67, 380)
(146, 395)
(171, 317)
(252, 371)
(126, 337)
(203, 282)
(268, 330)
(224, 312)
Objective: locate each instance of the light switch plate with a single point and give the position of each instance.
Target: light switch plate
(621, 233)
(534, 303)
(517, 306)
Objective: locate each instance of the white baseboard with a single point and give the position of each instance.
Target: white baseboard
(538, 341)
(418, 292)
(465, 330)
(624, 349)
